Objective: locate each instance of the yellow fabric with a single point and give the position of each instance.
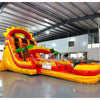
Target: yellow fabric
(2, 67)
(10, 65)
(86, 67)
(71, 77)
(20, 35)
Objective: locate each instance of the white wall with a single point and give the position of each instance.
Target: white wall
(1, 51)
(1, 47)
(81, 43)
(93, 54)
(61, 45)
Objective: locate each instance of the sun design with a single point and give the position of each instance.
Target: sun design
(6, 34)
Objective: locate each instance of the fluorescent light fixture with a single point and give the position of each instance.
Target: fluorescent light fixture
(34, 28)
(98, 11)
(46, 20)
(72, 39)
(53, 44)
(47, 32)
(0, 83)
(31, 29)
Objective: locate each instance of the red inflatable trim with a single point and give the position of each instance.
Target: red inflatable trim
(20, 31)
(86, 73)
(39, 51)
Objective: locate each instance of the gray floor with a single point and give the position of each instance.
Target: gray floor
(15, 85)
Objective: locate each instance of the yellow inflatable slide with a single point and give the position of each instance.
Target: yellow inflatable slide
(22, 55)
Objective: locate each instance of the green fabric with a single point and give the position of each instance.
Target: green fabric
(52, 49)
(30, 46)
(56, 52)
(18, 50)
(23, 49)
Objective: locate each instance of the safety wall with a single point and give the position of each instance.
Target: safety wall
(61, 45)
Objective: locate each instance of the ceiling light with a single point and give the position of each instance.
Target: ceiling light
(72, 39)
(46, 20)
(53, 45)
(34, 28)
(47, 32)
(0, 83)
(98, 11)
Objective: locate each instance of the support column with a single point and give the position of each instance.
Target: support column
(58, 56)
(62, 56)
(99, 36)
(99, 43)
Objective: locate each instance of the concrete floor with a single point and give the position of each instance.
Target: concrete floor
(15, 85)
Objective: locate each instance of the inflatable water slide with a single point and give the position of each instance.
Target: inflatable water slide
(22, 55)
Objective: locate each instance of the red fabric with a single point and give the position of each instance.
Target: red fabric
(81, 62)
(38, 70)
(52, 58)
(54, 68)
(33, 64)
(20, 31)
(69, 68)
(38, 66)
(61, 67)
(39, 51)
(86, 73)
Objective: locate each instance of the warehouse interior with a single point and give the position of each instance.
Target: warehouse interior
(71, 28)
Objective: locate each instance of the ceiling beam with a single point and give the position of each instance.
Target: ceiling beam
(70, 21)
(71, 35)
(22, 18)
(58, 10)
(56, 35)
(2, 6)
(77, 27)
(43, 10)
(34, 12)
(71, 27)
(25, 14)
(83, 13)
(63, 6)
(51, 34)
